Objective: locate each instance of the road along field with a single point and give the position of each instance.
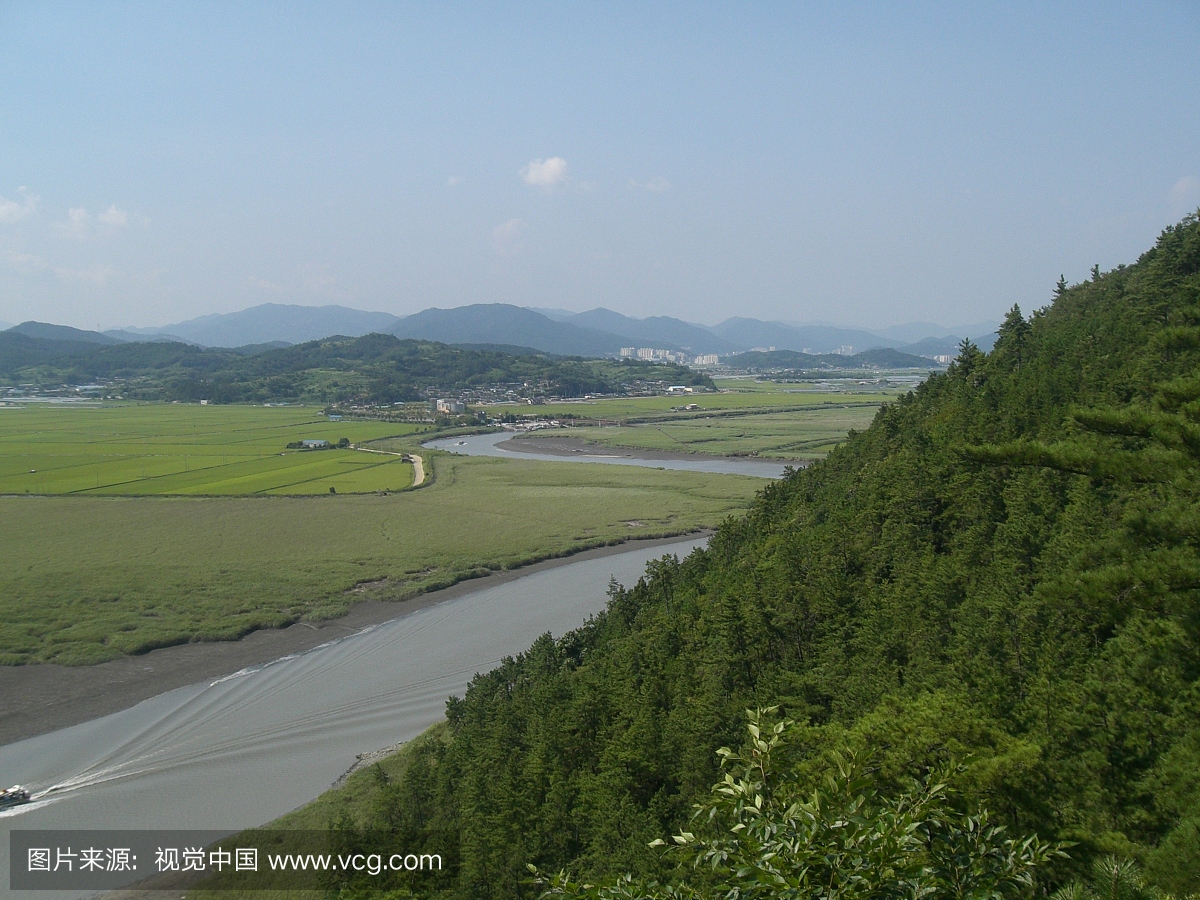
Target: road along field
(90, 578)
(163, 449)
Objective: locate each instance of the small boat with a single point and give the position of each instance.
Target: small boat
(13, 796)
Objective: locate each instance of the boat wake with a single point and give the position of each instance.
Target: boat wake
(245, 748)
(27, 807)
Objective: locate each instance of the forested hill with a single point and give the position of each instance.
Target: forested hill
(1002, 568)
(375, 368)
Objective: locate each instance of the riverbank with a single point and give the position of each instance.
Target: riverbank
(40, 698)
(562, 445)
(88, 580)
(584, 455)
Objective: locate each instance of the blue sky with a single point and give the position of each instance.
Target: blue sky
(865, 164)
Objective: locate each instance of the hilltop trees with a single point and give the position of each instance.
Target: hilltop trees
(1003, 567)
(763, 835)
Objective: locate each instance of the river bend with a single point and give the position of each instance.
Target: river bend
(489, 445)
(249, 747)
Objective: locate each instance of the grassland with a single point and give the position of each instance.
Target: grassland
(802, 434)
(885, 384)
(779, 398)
(150, 525)
(88, 578)
(188, 449)
(747, 418)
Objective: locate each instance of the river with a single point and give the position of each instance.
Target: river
(487, 445)
(249, 747)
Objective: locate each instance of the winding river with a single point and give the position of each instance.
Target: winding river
(249, 747)
(489, 445)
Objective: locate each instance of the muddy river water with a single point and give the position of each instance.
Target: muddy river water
(501, 444)
(242, 750)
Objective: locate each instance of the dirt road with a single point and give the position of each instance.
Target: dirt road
(418, 464)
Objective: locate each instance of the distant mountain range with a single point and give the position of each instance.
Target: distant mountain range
(62, 333)
(656, 331)
(499, 323)
(597, 332)
(49, 332)
(275, 322)
(912, 332)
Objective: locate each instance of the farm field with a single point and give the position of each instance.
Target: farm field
(801, 434)
(172, 522)
(886, 384)
(749, 417)
(88, 578)
(164, 449)
(735, 396)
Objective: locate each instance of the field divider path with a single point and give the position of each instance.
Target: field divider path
(418, 464)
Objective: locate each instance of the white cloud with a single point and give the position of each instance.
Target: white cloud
(545, 173)
(78, 223)
(506, 237)
(453, 181)
(15, 211)
(1185, 195)
(29, 263)
(26, 262)
(113, 217)
(654, 185)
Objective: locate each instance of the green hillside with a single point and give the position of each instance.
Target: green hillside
(375, 368)
(1002, 569)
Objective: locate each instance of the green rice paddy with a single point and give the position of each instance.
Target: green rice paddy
(89, 577)
(134, 526)
(187, 449)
